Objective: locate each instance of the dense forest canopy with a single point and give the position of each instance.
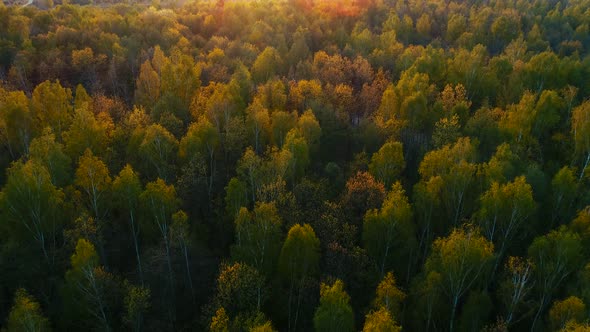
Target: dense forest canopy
(295, 165)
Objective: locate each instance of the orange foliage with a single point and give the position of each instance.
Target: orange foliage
(342, 8)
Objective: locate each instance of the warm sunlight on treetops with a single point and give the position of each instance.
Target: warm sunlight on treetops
(294, 165)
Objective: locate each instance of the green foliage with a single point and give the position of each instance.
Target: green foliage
(334, 313)
(16, 122)
(137, 302)
(505, 210)
(454, 164)
(564, 186)
(94, 180)
(581, 134)
(31, 205)
(300, 253)
(515, 288)
(388, 163)
(157, 150)
(240, 289)
(87, 288)
(297, 145)
(50, 103)
(26, 314)
(87, 132)
(567, 311)
(267, 65)
(258, 237)
(462, 260)
(389, 296)
(388, 233)
(158, 202)
(555, 255)
(50, 153)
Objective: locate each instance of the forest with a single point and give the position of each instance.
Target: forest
(295, 165)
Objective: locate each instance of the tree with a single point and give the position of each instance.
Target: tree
(158, 149)
(543, 71)
(249, 169)
(547, 113)
(334, 313)
(49, 153)
(454, 165)
(239, 290)
(158, 201)
(571, 309)
(148, 88)
(424, 26)
(137, 302)
(296, 144)
(461, 259)
(218, 102)
(266, 327)
(503, 166)
(380, 321)
(456, 25)
(126, 190)
(362, 194)
(564, 187)
(572, 326)
(26, 314)
(299, 50)
(266, 65)
(16, 123)
(86, 287)
(519, 118)
(179, 78)
(581, 134)
(504, 211)
(281, 123)
(219, 322)
(555, 255)
(51, 106)
(236, 196)
(258, 237)
(388, 163)
(476, 311)
(93, 178)
(31, 205)
(271, 95)
(202, 139)
(309, 127)
(405, 104)
(299, 260)
(446, 131)
(516, 288)
(331, 69)
(468, 67)
(81, 98)
(429, 296)
(581, 226)
(304, 94)
(389, 296)
(258, 121)
(388, 233)
(505, 28)
(85, 64)
(88, 132)
(180, 235)
(427, 202)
